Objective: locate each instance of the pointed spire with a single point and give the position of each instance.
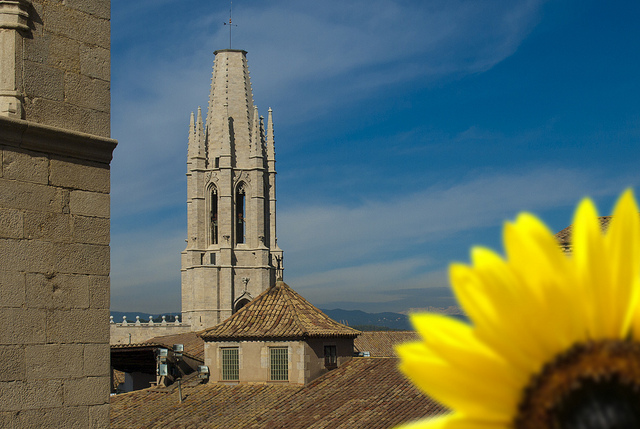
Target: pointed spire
(255, 134)
(192, 137)
(199, 135)
(271, 147)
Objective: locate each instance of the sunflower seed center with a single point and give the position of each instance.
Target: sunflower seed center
(594, 385)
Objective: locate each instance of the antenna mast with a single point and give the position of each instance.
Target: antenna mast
(230, 24)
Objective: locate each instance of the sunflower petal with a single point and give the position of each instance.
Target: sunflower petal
(453, 421)
(622, 244)
(453, 387)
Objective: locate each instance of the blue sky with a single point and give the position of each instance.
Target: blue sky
(406, 132)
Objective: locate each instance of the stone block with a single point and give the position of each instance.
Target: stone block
(91, 230)
(55, 227)
(89, 204)
(44, 81)
(81, 259)
(76, 24)
(86, 391)
(99, 8)
(36, 49)
(96, 360)
(78, 326)
(12, 289)
(95, 62)
(12, 363)
(27, 255)
(11, 223)
(29, 196)
(25, 166)
(64, 54)
(99, 416)
(99, 295)
(19, 395)
(85, 176)
(54, 361)
(22, 326)
(55, 418)
(55, 290)
(56, 113)
(99, 123)
(87, 92)
(10, 420)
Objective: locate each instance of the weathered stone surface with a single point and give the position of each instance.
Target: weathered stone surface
(11, 223)
(12, 367)
(10, 420)
(64, 54)
(25, 166)
(99, 8)
(41, 80)
(89, 204)
(78, 326)
(19, 395)
(99, 416)
(91, 230)
(45, 361)
(29, 196)
(27, 255)
(22, 326)
(86, 391)
(12, 289)
(77, 25)
(56, 290)
(99, 287)
(73, 174)
(95, 62)
(96, 360)
(55, 227)
(87, 92)
(81, 259)
(55, 418)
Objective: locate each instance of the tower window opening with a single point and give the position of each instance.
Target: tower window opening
(240, 215)
(214, 216)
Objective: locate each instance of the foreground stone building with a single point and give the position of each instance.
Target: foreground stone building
(55, 153)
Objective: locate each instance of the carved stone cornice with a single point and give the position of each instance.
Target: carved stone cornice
(14, 14)
(48, 139)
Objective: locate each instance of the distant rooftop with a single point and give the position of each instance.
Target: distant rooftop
(366, 392)
(564, 236)
(278, 312)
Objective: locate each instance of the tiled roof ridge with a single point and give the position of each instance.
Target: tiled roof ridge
(292, 307)
(278, 312)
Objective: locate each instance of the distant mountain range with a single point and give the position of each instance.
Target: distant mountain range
(354, 318)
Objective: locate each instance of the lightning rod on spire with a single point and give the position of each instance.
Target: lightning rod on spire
(230, 24)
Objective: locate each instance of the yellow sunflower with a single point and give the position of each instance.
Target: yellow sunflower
(554, 339)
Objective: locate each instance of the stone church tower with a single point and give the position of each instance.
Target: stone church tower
(232, 254)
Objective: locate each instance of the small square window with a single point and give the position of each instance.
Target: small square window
(230, 364)
(330, 357)
(279, 363)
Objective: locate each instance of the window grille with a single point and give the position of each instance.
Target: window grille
(230, 364)
(279, 364)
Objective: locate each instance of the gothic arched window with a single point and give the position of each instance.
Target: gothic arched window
(214, 216)
(240, 214)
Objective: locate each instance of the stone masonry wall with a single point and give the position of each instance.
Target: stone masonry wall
(54, 215)
(66, 65)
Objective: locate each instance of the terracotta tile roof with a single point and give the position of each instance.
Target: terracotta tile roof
(366, 392)
(564, 236)
(278, 312)
(380, 343)
(193, 344)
